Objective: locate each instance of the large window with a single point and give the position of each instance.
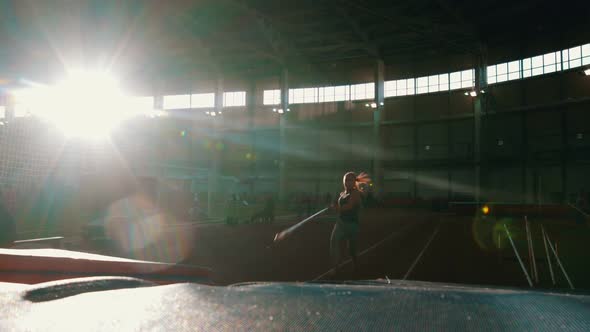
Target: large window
(310, 95)
(422, 85)
(576, 56)
(334, 93)
(465, 79)
(296, 96)
(271, 97)
(203, 100)
(433, 83)
(443, 82)
(401, 88)
(572, 57)
(537, 65)
(177, 102)
(390, 89)
(405, 87)
(551, 62)
(303, 95)
(504, 72)
(541, 64)
(341, 93)
(468, 78)
(326, 94)
(234, 99)
(585, 54)
(462, 79)
(455, 79)
(514, 70)
(362, 91)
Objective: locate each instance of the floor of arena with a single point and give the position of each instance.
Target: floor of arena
(393, 244)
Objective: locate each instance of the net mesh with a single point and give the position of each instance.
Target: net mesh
(47, 180)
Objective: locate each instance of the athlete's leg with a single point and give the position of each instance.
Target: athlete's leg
(335, 241)
(352, 237)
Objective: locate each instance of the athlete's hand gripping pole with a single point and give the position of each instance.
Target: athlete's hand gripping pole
(287, 232)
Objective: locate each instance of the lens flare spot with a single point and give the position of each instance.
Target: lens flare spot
(138, 230)
(207, 144)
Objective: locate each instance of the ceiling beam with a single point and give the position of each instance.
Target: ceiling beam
(471, 29)
(279, 46)
(368, 44)
(333, 47)
(189, 24)
(405, 23)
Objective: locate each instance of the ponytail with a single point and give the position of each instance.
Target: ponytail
(362, 179)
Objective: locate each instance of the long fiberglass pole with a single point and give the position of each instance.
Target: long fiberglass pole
(547, 254)
(559, 262)
(531, 250)
(526, 274)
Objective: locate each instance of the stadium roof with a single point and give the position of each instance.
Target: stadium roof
(175, 37)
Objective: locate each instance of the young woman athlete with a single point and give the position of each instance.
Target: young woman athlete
(348, 209)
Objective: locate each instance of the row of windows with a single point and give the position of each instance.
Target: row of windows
(365, 91)
(538, 65)
(428, 84)
(203, 100)
(323, 94)
(541, 64)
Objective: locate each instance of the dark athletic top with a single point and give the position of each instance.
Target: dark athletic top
(350, 216)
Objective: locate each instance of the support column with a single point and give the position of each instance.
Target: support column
(415, 128)
(282, 123)
(525, 156)
(450, 150)
(160, 148)
(215, 154)
(479, 108)
(527, 196)
(251, 109)
(564, 155)
(377, 145)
